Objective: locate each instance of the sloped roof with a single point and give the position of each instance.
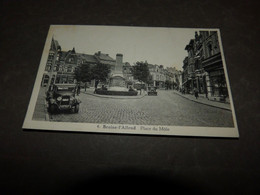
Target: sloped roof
(63, 55)
(54, 44)
(103, 57)
(108, 62)
(88, 58)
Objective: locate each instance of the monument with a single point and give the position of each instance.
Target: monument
(117, 81)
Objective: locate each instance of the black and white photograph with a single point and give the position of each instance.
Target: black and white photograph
(134, 80)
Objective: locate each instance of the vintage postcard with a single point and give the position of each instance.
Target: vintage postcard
(133, 80)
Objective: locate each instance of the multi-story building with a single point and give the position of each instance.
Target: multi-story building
(98, 57)
(203, 67)
(189, 68)
(61, 66)
(65, 66)
(213, 67)
(50, 73)
(185, 76)
(158, 75)
(127, 72)
(168, 77)
(114, 64)
(174, 77)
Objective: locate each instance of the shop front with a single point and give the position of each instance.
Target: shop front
(218, 84)
(215, 79)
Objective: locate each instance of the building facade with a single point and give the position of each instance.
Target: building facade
(203, 67)
(61, 66)
(164, 78)
(50, 72)
(158, 75)
(65, 66)
(213, 67)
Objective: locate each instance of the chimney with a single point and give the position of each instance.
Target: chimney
(119, 63)
(119, 59)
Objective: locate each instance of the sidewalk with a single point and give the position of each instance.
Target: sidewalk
(90, 91)
(205, 101)
(40, 111)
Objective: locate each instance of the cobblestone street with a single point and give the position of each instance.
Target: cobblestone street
(165, 109)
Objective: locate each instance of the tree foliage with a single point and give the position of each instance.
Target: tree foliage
(88, 72)
(141, 72)
(100, 72)
(83, 73)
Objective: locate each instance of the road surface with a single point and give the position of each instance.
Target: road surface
(165, 109)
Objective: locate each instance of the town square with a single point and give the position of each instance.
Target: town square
(105, 89)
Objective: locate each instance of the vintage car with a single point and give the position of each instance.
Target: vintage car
(61, 97)
(152, 91)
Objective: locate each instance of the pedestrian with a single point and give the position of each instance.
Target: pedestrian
(131, 88)
(78, 89)
(196, 93)
(183, 91)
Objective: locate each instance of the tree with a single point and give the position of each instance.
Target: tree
(100, 73)
(83, 73)
(77, 73)
(141, 72)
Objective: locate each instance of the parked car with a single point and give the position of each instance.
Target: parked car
(152, 91)
(61, 97)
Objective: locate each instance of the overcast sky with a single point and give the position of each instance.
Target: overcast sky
(162, 46)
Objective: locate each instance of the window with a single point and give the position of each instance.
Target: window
(71, 60)
(69, 69)
(210, 50)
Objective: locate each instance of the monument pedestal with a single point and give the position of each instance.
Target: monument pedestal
(117, 82)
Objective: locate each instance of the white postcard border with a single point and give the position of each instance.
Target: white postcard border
(231, 132)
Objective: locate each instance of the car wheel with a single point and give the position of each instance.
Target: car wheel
(77, 108)
(52, 108)
(72, 110)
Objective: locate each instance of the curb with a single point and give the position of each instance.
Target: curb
(115, 97)
(228, 109)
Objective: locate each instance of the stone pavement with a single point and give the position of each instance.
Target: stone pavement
(40, 111)
(203, 100)
(167, 108)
